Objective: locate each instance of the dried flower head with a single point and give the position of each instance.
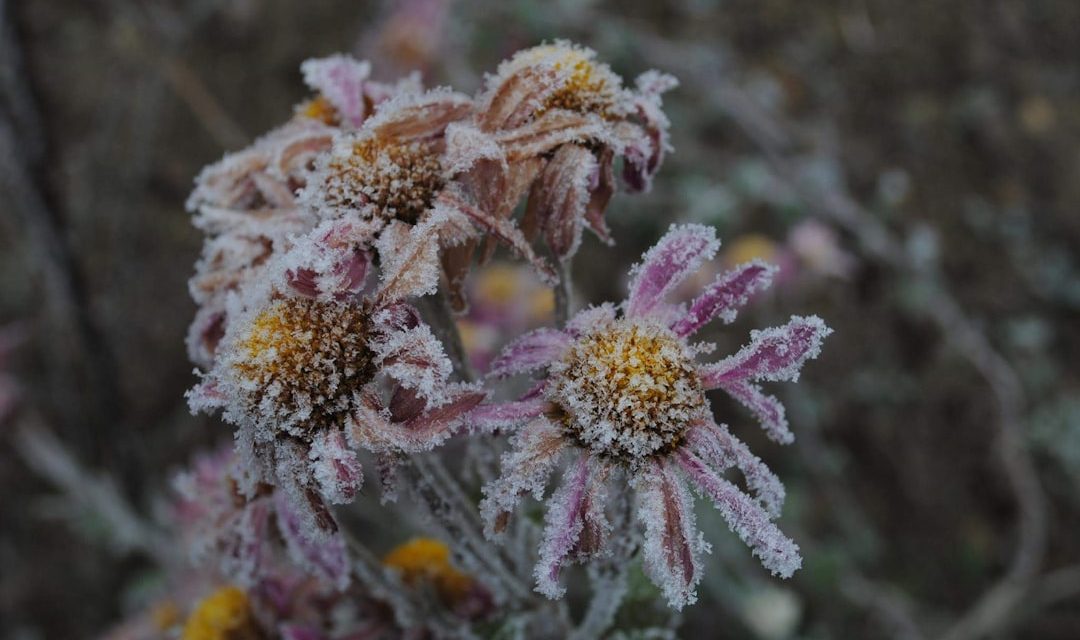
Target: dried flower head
(625, 392)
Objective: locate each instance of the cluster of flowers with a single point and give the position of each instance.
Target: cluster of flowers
(315, 358)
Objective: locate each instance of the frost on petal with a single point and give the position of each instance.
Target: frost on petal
(552, 130)
(243, 550)
(563, 525)
(332, 260)
(319, 551)
(767, 409)
(678, 254)
(467, 145)
(340, 79)
(591, 319)
(559, 197)
(778, 553)
(721, 450)
(775, 354)
(335, 467)
(410, 261)
(530, 352)
(414, 116)
(413, 356)
(373, 426)
(673, 546)
(641, 167)
(489, 417)
(725, 295)
(534, 452)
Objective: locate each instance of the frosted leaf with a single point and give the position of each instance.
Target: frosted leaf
(672, 546)
(745, 517)
(532, 351)
(718, 448)
(725, 295)
(775, 354)
(678, 254)
(340, 79)
(335, 467)
(563, 524)
(534, 452)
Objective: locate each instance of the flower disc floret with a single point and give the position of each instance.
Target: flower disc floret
(301, 362)
(628, 390)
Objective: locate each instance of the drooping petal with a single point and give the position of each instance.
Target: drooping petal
(322, 552)
(560, 195)
(767, 409)
(530, 352)
(340, 79)
(335, 467)
(678, 254)
(673, 546)
(563, 524)
(534, 452)
(410, 261)
(717, 447)
(725, 295)
(773, 354)
(489, 417)
(600, 195)
(413, 356)
(641, 166)
(372, 426)
(551, 130)
(778, 553)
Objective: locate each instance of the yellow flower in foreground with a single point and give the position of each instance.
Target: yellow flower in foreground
(223, 615)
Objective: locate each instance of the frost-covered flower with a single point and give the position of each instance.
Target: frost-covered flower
(246, 203)
(624, 392)
(392, 173)
(307, 380)
(554, 120)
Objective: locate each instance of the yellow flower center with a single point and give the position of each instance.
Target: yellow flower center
(399, 180)
(303, 360)
(627, 390)
(427, 559)
(319, 108)
(223, 615)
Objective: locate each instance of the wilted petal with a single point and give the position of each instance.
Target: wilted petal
(599, 196)
(678, 254)
(412, 116)
(340, 79)
(530, 352)
(410, 261)
(534, 452)
(315, 548)
(412, 356)
(717, 447)
(645, 160)
(773, 354)
(243, 544)
(725, 295)
(563, 524)
(553, 129)
(488, 417)
(746, 518)
(673, 545)
(559, 197)
(335, 467)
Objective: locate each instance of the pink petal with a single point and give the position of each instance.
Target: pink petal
(335, 467)
(532, 351)
(591, 319)
(768, 409)
(489, 417)
(717, 447)
(319, 550)
(673, 545)
(773, 354)
(340, 79)
(725, 295)
(678, 254)
(564, 523)
(745, 517)
(534, 452)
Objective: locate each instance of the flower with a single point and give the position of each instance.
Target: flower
(427, 561)
(223, 615)
(309, 379)
(246, 203)
(624, 393)
(553, 120)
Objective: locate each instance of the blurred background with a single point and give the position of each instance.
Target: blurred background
(914, 168)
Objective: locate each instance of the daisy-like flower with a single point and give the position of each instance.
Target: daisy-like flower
(392, 173)
(246, 202)
(308, 380)
(624, 393)
(556, 118)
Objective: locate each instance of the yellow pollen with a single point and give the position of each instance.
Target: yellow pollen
(223, 615)
(306, 354)
(319, 108)
(588, 88)
(428, 560)
(628, 390)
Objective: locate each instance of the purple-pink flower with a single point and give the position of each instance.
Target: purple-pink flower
(623, 395)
